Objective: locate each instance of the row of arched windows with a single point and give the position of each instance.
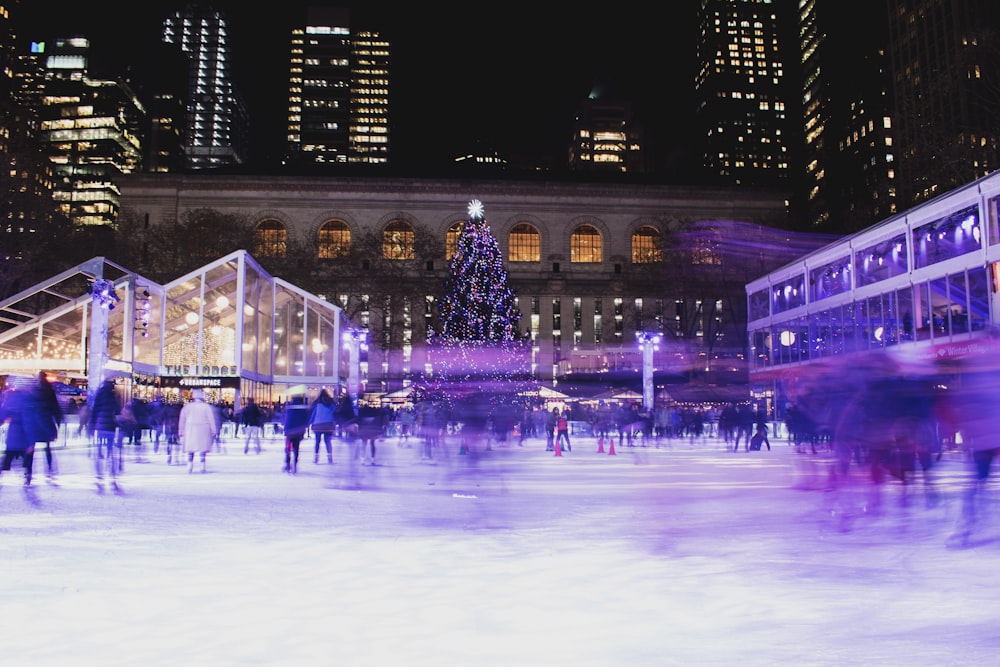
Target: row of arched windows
(524, 242)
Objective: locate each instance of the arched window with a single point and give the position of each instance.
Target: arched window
(270, 239)
(334, 239)
(451, 240)
(647, 247)
(524, 243)
(585, 245)
(397, 240)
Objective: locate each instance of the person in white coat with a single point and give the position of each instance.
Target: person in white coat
(197, 428)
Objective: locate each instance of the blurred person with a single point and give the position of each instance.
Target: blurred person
(46, 416)
(371, 426)
(322, 419)
(20, 441)
(103, 423)
(155, 411)
(562, 431)
(295, 425)
(171, 430)
(550, 430)
(971, 411)
(759, 438)
(198, 427)
(253, 420)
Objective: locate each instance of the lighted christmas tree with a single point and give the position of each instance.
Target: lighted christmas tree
(478, 341)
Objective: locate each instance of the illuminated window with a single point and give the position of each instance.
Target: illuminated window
(646, 246)
(334, 239)
(525, 243)
(451, 240)
(585, 245)
(397, 240)
(270, 239)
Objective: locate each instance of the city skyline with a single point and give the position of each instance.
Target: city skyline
(494, 79)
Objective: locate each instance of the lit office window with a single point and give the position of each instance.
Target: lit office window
(451, 240)
(585, 245)
(334, 239)
(397, 240)
(525, 243)
(647, 248)
(270, 239)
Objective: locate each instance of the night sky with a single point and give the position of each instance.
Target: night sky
(508, 75)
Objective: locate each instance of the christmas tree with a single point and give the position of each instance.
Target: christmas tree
(478, 345)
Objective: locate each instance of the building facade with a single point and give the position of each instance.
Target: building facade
(90, 129)
(920, 285)
(743, 90)
(338, 92)
(216, 127)
(591, 265)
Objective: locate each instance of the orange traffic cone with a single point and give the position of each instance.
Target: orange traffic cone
(600, 445)
(611, 449)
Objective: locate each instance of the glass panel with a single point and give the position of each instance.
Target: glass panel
(830, 279)
(922, 309)
(904, 313)
(979, 299)
(947, 237)
(958, 297)
(788, 294)
(875, 326)
(759, 305)
(939, 307)
(880, 261)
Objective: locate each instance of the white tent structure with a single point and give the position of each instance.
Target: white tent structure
(228, 327)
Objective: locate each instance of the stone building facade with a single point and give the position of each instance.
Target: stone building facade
(591, 263)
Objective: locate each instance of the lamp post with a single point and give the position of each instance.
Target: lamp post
(354, 339)
(648, 343)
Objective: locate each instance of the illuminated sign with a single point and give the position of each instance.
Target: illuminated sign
(202, 371)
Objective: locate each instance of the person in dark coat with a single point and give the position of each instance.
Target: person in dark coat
(46, 417)
(296, 423)
(15, 411)
(371, 426)
(253, 420)
(103, 423)
(321, 421)
(171, 429)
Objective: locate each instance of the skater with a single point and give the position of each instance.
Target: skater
(46, 416)
(253, 420)
(16, 411)
(759, 438)
(103, 423)
(371, 426)
(198, 428)
(296, 423)
(562, 430)
(321, 422)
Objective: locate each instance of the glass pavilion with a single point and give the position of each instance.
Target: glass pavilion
(228, 327)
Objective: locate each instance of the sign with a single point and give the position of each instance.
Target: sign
(202, 371)
(192, 381)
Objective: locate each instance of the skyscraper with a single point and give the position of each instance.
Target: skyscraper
(90, 130)
(216, 123)
(606, 136)
(369, 105)
(848, 141)
(338, 92)
(946, 87)
(743, 91)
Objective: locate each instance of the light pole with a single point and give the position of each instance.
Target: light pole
(354, 338)
(648, 342)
